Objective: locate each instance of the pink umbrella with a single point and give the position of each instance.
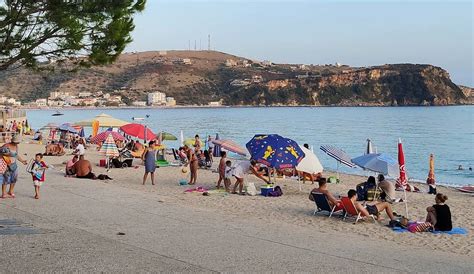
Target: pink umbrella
(230, 146)
(103, 136)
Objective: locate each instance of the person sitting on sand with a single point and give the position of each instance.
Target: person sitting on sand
(80, 149)
(323, 188)
(241, 170)
(388, 189)
(439, 215)
(83, 169)
(373, 209)
(70, 166)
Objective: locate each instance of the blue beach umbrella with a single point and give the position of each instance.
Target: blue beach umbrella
(378, 162)
(217, 148)
(275, 151)
(67, 127)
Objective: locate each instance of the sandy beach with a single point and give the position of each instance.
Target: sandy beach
(286, 215)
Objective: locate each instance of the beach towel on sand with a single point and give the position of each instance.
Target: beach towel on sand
(454, 231)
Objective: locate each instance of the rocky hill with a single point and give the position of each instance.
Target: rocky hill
(199, 77)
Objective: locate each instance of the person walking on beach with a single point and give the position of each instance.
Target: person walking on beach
(241, 170)
(221, 168)
(9, 153)
(149, 158)
(37, 172)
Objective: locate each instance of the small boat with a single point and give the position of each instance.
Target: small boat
(140, 118)
(467, 189)
(58, 113)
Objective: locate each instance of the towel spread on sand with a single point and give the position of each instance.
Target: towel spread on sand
(454, 231)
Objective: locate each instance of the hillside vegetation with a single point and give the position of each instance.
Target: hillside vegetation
(208, 79)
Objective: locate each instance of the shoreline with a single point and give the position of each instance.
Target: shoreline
(236, 107)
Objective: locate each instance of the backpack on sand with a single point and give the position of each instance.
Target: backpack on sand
(276, 192)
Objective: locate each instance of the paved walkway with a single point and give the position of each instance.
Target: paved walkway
(76, 227)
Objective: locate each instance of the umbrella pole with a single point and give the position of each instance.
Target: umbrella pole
(406, 202)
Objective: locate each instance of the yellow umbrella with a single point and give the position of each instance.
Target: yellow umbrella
(104, 121)
(95, 128)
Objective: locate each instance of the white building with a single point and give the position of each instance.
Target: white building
(162, 52)
(41, 102)
(3, 99)
(115, 99)
(139, 103)
(230, 63)
(55, 103)
(170, 101)
(84, 94)
(186, 61)
(215, 104)
(156, 98)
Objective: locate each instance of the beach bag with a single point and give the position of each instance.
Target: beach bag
(3, 166)
(251, 189)
(420, 227)
(276, 192)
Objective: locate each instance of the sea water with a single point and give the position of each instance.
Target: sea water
(447, 132)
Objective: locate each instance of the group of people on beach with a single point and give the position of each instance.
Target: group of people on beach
(438, 215)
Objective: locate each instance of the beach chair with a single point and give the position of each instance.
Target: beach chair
(351, 210)
(322, 204)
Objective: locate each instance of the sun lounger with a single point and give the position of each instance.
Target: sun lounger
(351, 210)
(322, 204)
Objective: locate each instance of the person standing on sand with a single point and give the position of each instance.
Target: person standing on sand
(9, 153)
(193, 164)
(221, 168)
(197, 143)
(38, 170)
(149, 158)
(241, 170)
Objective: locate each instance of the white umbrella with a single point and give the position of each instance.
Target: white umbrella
(310, 163)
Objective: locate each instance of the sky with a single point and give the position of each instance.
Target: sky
(356, 33)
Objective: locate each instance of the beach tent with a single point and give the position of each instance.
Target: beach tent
(104, 120)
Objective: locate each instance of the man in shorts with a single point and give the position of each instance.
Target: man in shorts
(241, 170)
(374, 209)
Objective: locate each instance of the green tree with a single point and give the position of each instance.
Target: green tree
(85, 32)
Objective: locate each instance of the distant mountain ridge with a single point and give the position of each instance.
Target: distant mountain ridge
(200, 77)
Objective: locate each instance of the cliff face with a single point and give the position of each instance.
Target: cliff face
(206, 79)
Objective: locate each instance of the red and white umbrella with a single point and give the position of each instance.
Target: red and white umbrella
(139, 131)
(103, 135)
(230, 146)
(402, 180)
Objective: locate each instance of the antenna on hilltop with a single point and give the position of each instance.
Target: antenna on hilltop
(194, 45)
(209, 42)
(189, 44)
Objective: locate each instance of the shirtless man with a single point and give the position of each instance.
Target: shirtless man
(83, 169)
(374, 209)
(323, 188)
(193, 164)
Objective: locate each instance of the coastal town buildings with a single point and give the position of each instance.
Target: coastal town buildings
(156, 98)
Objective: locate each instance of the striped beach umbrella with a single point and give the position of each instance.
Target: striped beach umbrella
(103, 136)
(230, 146)
(108, 148)
(340, 155)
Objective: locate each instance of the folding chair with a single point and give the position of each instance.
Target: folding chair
(322, 204)
(351, 210)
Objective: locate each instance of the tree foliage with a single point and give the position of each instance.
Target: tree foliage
(86, 32)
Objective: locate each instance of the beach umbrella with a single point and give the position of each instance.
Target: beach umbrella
(310, 163)
(165, 136)
(217, 148)
(431, 174)
(189, 142)
(104, 135)
(104, 121)
(49, 126)
(402, 179)
(138, 131)
(340, 155)
(230, 146)
(378, 162)
(109, 149)
(95, 128)
(275, 151)
(369, 149)
(68, 127)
